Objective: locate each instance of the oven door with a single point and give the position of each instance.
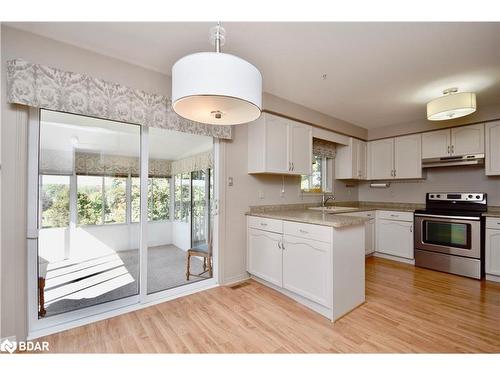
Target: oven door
(449, 235)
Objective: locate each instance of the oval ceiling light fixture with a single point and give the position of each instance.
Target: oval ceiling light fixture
(216, 88)
(453, 104)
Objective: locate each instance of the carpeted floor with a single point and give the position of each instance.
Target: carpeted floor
(75, 285)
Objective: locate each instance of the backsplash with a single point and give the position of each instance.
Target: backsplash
(447, 179)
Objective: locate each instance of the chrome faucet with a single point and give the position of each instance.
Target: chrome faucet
(326, 198)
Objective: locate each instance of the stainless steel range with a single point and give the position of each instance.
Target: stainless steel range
(449, 233)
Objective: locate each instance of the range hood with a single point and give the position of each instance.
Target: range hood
(450, 161)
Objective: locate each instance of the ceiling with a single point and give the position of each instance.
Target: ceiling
(378, 74)
(63, 132)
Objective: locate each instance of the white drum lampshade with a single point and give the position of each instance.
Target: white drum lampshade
(453, 105)
(216, 88)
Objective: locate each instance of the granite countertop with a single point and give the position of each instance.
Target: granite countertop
(312, 217)
(493, 211)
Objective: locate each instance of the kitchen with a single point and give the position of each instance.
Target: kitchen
(325, 224)
(439, 235)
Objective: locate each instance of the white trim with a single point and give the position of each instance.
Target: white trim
(236, 279)
(494, 278)
(395, 258)
(143, 221)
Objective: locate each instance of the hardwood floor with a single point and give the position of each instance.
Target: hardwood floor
(407, 310)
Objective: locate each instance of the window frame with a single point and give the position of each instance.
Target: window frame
(327, 178)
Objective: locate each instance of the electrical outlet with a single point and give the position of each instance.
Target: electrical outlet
(282, 193)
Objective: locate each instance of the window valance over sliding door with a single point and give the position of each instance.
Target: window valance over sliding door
(50, 88)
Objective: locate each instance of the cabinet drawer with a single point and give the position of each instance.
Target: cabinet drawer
(271, 225)
(309, 231)
(395, 215)
(493, 222)
(367, 214)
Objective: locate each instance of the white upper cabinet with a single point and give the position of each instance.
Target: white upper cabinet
(381, 159)
(300, 152)
(467, 140)
(278, 145)
(493, 148)
(436, 144)
(350, 160)
(458, 141)
(408, 156)
(394, 158)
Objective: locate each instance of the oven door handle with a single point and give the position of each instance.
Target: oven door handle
(450, 217)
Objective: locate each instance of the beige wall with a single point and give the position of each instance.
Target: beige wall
(484, 113)
(276, 104)
(20, 44)
(438, 179)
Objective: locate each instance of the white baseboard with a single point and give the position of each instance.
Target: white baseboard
(392, 257)
(235, 279)
(10, 338)
(493, 278)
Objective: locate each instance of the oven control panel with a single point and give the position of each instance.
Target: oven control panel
(456, 197)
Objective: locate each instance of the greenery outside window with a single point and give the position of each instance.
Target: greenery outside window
(182, 196)
(321, 179)
(54, 201)
(158, 199)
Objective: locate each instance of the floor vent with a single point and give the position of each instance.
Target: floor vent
(241, 285)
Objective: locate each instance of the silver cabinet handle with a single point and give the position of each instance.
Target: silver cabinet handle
(394, 215)
(279, 244)
(411, 228)
(452, 149)
(394, 173)
(449, 150)
(293, 166)
(282, 246)
(303, 231)
(263, 224)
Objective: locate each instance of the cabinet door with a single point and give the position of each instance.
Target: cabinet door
(300, 141)
(360, 159)
(467, 140)
(395, 238)
(276, 145)
(436, 144)
(492, 148)
(307, 266)
(408, 156)
(492, 253)
(381, 159)
(264, 257)
(370, 237)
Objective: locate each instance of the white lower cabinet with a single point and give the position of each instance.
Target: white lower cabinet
(394, 237)
(265, 255)
(492, 253)
(306, 268)
(370, 236)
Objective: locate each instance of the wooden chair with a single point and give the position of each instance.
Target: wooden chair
(204, 251)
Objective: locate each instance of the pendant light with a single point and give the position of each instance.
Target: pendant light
(216, 88)
(453, 104)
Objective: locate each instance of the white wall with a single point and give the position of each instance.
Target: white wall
(55, 244)
(181, 234)
(438, 179)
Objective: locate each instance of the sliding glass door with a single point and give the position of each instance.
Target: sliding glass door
(119, 215)
(88, 246)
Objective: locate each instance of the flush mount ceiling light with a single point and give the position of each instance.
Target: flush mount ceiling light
(216, 88)
(453, 104)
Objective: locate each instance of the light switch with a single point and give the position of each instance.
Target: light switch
(261, 194)
(229, 181)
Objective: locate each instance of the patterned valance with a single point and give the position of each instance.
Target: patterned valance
(193, 163)
(95, 164)
(87, 163)
(323, 148)
(50, 88)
